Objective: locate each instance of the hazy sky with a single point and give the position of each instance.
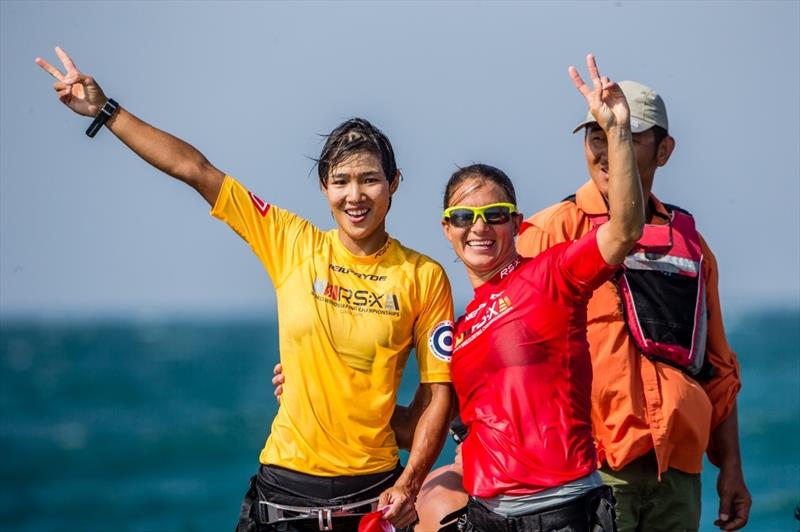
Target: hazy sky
(86, 227)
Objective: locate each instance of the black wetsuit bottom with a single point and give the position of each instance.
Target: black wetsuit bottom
(292, 488)
(591, 512)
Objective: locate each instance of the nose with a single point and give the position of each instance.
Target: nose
(599, 151)
(479, 226)
(602, 154)
(354, 192)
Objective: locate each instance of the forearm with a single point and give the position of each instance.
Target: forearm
(723, 447)
(429, 436)
(169, 154)
(625, 203)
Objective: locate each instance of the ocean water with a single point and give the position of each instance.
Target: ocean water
(145, 425)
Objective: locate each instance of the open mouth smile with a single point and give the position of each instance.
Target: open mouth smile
(480, 244)
(357, 215)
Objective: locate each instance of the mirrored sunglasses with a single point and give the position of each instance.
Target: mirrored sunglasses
(494, 214)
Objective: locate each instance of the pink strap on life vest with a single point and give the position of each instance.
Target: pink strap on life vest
(670, 248)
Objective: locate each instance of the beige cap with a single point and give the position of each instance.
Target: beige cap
(647, 108)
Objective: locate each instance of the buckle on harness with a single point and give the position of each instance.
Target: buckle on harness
(277, 513)
(325, 516)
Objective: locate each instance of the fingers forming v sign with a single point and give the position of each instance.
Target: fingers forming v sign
(75, 90)
(606, 101)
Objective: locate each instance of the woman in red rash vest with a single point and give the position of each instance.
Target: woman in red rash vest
(521, 366)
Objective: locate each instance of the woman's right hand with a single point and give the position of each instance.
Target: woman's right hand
(605, 100)
(76, 90)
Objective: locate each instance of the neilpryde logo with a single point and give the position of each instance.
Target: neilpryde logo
(441, 340)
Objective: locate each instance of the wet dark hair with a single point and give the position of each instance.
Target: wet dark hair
(482, 172)
(356, 135)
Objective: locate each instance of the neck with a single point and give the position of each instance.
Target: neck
(364, 246)
(478, 278)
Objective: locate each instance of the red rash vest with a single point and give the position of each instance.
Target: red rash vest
(523, 374)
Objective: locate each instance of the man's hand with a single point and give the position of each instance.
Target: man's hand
(723, 452)
(606, 101)
(734, 499)
(398, 505)
(277, 381)
(76, 90)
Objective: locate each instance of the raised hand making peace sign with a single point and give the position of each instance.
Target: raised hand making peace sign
(76, 90)
(606, 101)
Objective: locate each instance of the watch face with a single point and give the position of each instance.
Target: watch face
(109, 107)
(102, 117)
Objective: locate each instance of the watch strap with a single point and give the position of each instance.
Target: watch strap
(108, 109)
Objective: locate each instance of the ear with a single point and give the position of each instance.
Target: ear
(518, 217)
(395, 183)
(665, 150)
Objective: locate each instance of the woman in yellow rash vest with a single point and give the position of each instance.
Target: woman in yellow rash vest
(352, 303)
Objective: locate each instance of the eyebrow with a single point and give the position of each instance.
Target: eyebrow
(345, 174)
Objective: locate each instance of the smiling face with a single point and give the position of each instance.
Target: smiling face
(483, 248)
(358, 194)
(649, 156)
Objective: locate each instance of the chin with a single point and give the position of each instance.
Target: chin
(601, 180)
(358, 236)
(480, 264)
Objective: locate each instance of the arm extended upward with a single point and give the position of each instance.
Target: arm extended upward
(625, 204)
(171, 155)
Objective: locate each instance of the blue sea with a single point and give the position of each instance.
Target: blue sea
(155, 425)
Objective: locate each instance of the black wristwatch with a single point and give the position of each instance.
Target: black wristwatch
(108, 109)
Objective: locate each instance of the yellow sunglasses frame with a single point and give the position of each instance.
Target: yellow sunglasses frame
(478, 212)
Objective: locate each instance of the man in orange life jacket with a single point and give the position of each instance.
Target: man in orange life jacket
(665, 379)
